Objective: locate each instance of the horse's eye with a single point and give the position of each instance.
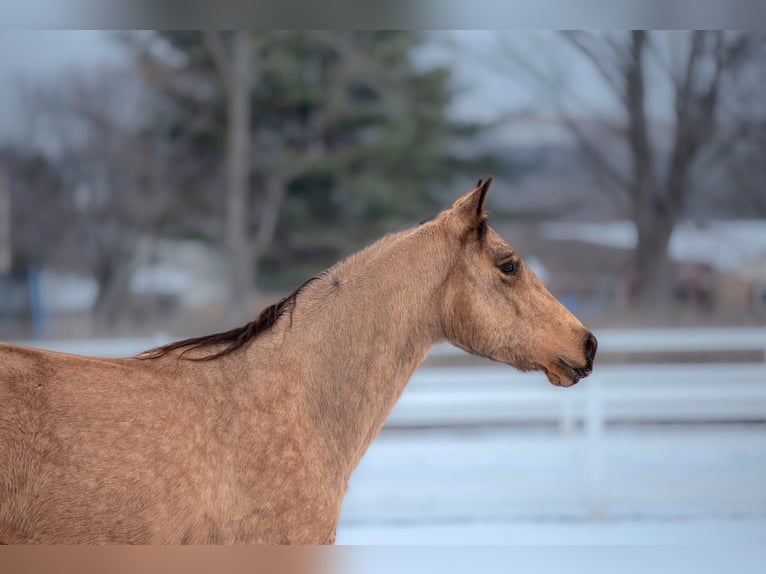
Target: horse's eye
(509, 267)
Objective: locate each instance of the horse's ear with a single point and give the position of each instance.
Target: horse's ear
(471, 205)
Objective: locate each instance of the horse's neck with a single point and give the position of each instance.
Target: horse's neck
(366, 326)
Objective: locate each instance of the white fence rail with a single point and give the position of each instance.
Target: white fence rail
(444, 396)
(700, 392)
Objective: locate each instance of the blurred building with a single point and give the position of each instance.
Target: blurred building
(717, 266)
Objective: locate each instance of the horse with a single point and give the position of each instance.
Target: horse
(251, 435)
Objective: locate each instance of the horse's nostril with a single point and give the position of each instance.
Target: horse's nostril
(591, 344)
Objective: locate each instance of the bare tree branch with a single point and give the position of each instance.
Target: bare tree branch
(599, 61)
(697, 106)
(697, 66)
(378, 79)
(663, 64)
(684, 88)
(217, 51)
(593, 153)
(596, 156)
(618, 48)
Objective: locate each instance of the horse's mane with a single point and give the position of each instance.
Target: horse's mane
(233, 339)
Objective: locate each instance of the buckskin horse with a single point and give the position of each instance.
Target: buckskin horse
(250, 436)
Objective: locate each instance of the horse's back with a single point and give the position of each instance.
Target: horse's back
(52, 385)
(29, 383)
(60, 419)
(149, 451)
(27, 440)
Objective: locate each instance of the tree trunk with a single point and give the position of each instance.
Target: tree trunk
(268, 216)
(113, 279)
(650, 285)
(238, 161)
(657, 190)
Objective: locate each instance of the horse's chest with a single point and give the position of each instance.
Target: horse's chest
(276, 503)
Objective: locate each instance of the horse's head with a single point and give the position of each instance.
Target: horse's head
(494, 305)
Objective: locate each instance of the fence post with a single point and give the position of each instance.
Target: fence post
(594, 449)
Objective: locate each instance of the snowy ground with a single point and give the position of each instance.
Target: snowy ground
(667, 484)
(552, 533)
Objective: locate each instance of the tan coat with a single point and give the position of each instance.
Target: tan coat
(257, 443)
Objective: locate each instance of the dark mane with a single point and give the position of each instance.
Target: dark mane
(233, 339)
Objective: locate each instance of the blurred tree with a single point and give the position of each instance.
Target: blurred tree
(113, 171)
(654, 185)
(349, 138)
(33, 227)
(39, 209)
(5, 221)
(742, 147)
(83, 196)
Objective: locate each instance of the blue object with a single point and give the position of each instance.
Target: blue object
(35, 301)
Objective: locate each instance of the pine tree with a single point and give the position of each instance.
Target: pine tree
(350, 138)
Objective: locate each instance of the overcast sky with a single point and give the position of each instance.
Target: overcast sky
(45, 56)
(484, 92)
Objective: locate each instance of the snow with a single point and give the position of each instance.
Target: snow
(685, 484)
(616, 234)
(562, 533)
(67, 292)
(726, 245)
(550, 560)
